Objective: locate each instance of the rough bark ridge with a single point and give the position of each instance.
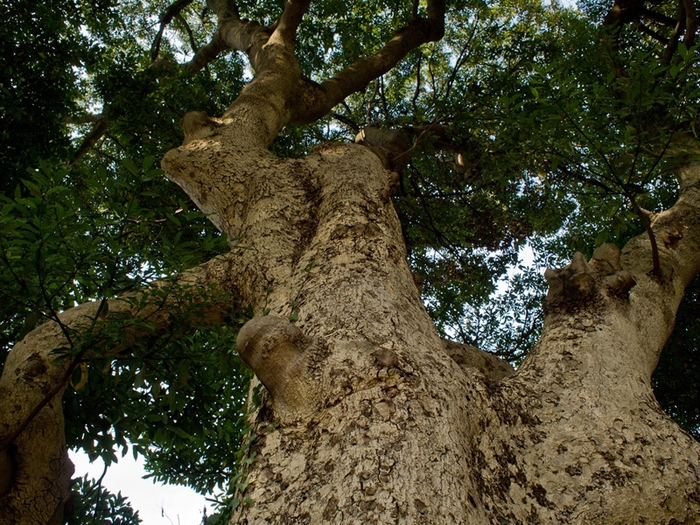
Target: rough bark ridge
(371, 417)
(370, 420)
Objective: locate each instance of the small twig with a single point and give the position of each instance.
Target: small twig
(171, 12)
(98, 497)
(345, 120)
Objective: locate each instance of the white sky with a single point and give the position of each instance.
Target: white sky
(157, 504)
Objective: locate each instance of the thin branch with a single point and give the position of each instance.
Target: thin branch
(672, 45)
(650, 232)
(171, 12)
(461, 60)
(193, 43)
(98, 130)
(348, 122)
(419, 76)
(96, 508)
(658, 17)
(653, 34)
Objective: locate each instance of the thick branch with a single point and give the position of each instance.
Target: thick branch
(360, 73)
(691, 22)
(467, 356)
(624, 11)
(672, 44)
(286, 29)
(224, 9)
(233, 33)
(207, 54)
(32, 442)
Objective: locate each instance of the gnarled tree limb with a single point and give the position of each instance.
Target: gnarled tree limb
(361, 72)
(37, 470)
(286, 29)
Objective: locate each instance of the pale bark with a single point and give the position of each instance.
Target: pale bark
(371, 421)
(371, 417)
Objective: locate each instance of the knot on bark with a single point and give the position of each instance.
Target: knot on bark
(278, 351)
(198, 125)
(581, 280)
(392, 146)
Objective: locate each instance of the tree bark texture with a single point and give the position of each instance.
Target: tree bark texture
(371, 419)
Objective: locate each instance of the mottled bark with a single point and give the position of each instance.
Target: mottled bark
(371, 420)
(371, 417)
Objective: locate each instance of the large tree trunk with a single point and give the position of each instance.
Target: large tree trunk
(371, 417)
(371, 420)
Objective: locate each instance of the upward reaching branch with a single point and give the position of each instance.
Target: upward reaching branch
(361, 72)
(691, 22)
(165, 19)
(286, 29)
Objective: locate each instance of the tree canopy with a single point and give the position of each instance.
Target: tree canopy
(529, 125)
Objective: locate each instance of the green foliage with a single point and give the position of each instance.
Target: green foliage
(677, 377)
(40, 45)
(555, 145)
(75, 236)
(91, 503)
(69, 237)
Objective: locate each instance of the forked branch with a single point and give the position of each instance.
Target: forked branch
(171, 12)
(360, 73)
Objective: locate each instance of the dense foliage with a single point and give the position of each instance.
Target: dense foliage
(525, 137)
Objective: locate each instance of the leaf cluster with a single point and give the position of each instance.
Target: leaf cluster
(91, 503)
